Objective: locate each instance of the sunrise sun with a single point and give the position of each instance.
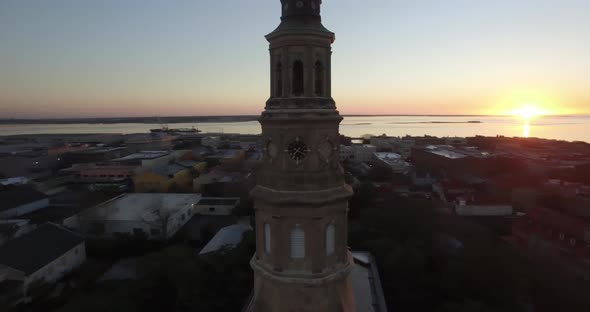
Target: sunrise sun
(528, 111)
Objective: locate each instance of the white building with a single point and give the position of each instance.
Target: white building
(228, 237)
(402, 146)
(211, 141)
(147, 160)
(19, 201)
(392, 162)
(357, 153)
(43, 255)
(150, 215)
(216, 206)
(383, 142)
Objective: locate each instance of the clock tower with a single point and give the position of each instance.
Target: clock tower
(302, 261)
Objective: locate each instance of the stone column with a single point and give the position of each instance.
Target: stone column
(328, 74)
(273, 91)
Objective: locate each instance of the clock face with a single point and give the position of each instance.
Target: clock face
(297, 150)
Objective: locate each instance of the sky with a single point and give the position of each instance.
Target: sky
(108, 58)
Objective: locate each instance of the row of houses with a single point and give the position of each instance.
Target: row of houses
(43, 156)
(156, 215)
(160, 171)
(71, 193)
(34, 253)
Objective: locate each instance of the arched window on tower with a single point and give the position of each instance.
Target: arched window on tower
(297, 243)
(297, 78)
(319, 78)
(267, 239)
(279, 80)
(330, 239)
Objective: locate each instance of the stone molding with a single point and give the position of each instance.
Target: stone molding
(305, 279)
(341, 193)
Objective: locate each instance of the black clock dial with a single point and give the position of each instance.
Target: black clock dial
(297, 150)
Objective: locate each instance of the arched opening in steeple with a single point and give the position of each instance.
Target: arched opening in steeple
(319, 78)
(279, 80)
(297, 243)
(267, 239)
(330, 239)
(297, 78)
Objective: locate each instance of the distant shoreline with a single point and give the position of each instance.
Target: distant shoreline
(131, 120)
(195, 119)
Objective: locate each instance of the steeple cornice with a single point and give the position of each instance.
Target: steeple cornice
(301, 16)
(300, 9)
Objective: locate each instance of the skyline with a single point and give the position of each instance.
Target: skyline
(212, 118)
(143, 58)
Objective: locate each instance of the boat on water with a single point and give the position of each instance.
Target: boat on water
(164, 129)
(167, 130)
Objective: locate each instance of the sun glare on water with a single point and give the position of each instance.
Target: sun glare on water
(528, 112)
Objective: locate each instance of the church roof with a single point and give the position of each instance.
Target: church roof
(366, 283)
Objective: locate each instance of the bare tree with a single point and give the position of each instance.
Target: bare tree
(157, 216)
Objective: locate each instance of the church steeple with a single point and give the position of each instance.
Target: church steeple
(302, 262)
(300, 55)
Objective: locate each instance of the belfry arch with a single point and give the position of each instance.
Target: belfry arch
(319, 78)
(298, 78)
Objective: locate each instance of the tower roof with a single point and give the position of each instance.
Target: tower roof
(300, 8)
(301, 15)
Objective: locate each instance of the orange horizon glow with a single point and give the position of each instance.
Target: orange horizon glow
(528, 111)
(530, 103)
